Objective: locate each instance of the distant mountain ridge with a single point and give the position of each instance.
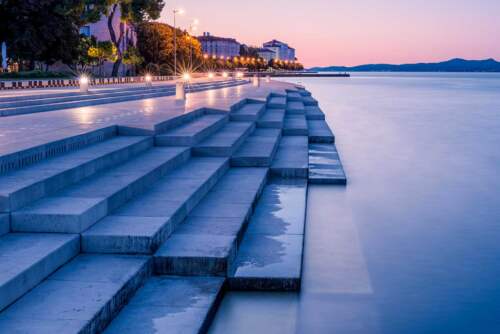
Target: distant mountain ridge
(452, 65)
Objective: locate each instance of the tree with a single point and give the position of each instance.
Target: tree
(133, 12)
(103, 51)
(132, 57)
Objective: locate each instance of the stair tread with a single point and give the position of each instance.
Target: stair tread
(314, 113)
(292, 157)
(83, 294)
(325, 165)
(21, 179)
(183, 304)
(295, 106)
(140, 224)
(295, 125)
(226, 140)
(272, 247)
(319, 131)
(250, 109)
(194, 127)
(27, 258)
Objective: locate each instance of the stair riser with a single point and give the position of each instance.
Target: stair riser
(263, 284)
(321, 139)
(41, 189)
(313, 117)
(32, 276)
(193, 140)
(295, 132)
(290, 172)
(107, 313)
(4, 224)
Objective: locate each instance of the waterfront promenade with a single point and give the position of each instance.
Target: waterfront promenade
(137, 216)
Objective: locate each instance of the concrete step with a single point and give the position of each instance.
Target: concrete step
(319, 132)
(4, 224)
(270, 255)
(145, 222)
(295, 107)
(28, 258)
(34, 149)
(226, 141)
(81, 297)
(169, 304)
(276, 102)
(248, 112)
(292, 157)
(258, 150)
(79, 206)
(309, 101)
(24, 186)
(206, 242)
(325, 166)
(314, 113)
(272, 118)
(193, 132)
(303, 92)
(295, 125)
(294, 96)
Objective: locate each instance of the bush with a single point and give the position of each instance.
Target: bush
(36, 75)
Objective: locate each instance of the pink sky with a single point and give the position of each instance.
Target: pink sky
(352, 32)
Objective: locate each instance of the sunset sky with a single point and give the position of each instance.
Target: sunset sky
(352, 32)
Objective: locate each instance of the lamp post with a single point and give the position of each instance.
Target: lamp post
(192, 28)
(180, 12)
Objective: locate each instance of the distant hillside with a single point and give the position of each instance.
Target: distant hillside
(453, 65)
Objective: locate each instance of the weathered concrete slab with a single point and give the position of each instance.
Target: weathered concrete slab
(276, 102)
(83, 204)
(295, 125)
(144, 223)
(319, 132)
(4, 224)
(291, 159)
(314, 113)
(82, 297)
(24, 186)
(272, 118)
(325, 166)
(169, 304)
(248, 112)
(197, 249)
(27, 259)
(226, 141)
(295, 108)
(258, 150)
(270, 256)
(192, 132)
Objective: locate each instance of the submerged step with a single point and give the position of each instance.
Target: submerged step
(144, 223)
(24, 186)
(258, 150)
(314, 113)
(272, 118)
(319, 132)
(295, 107)
(270, 255)
(206, 242)
(250, 111)
(81, 297)
(4, 224)
(80, 206)
(169, 304)
(193, 132)
(295, 125)
(291, 159)
(324, 165)
(225, 141)
(28, 258)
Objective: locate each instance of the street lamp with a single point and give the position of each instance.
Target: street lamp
(84, 84)
(180, 12)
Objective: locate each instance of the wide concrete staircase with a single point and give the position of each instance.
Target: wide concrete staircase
(143, 234)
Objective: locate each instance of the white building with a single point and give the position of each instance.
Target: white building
(282, 50)
(219, 46)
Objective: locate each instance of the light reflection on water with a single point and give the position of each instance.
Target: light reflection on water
(412, 244)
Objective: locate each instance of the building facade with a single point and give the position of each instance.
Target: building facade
(266, 54)
(282, 50)
(219, 46)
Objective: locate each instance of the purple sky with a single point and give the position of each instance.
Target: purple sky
(351, 32)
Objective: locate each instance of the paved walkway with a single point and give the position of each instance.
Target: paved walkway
(25, 131)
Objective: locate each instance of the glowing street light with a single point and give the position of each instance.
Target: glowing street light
(186, 76)
(84, 84)
(239, 74)
(148, 79)
(224, 74)
(210, 75)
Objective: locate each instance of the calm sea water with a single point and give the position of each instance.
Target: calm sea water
(412, 244)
